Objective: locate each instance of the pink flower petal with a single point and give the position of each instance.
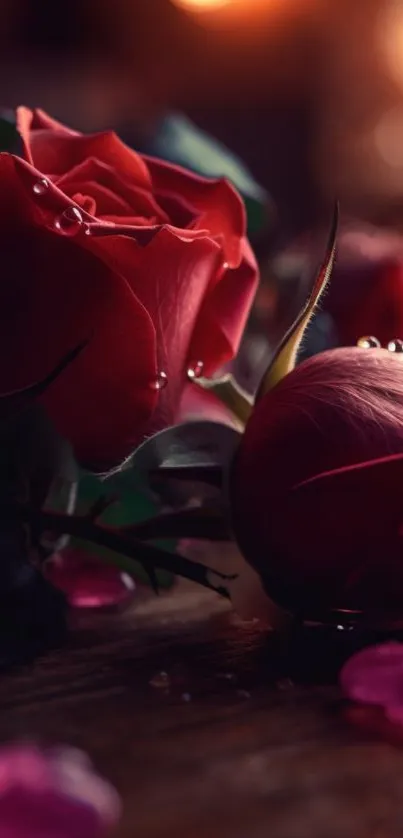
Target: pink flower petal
(375, 676)
(88, 583)
(395, 714)
(52, 794)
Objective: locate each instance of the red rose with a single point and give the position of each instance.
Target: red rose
(376, 309)
(366, 294)
(316, 484)
(146, 262)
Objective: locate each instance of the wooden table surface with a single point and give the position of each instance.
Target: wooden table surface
(224, 744)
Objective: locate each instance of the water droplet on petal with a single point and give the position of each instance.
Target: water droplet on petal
(395, 345)
(368, 342)
(225, 266)
(70, 222)
(195, 370)
(40, 186)
(160, 382)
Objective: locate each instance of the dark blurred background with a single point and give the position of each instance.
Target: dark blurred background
(308, 94)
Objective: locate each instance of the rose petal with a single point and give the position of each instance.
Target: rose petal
(37, 120)
(172, 277)
(210, 306)
(113, 368)
(348, 506)
(375, 676)
(114, 189)
(58, 151)
(221, 210)
(53, 795)
(87, 582)
(224, 313)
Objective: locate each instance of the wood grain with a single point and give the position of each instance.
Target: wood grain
(230, 747)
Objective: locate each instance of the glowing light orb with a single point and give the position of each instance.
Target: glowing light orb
(202, 5)
(391, 33)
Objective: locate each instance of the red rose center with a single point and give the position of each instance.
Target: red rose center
(86, 202)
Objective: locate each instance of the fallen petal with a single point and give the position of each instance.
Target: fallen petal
(88, 583)
(375, 676)
(53, 794)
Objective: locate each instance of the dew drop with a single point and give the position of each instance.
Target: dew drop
(368, 342)
(195, 370)
(225, 266)
(70, 222)
(40, 186)
(395, 345)
(160, 681)
(160, 382)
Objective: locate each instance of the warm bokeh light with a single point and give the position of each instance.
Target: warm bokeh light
(229, 12)
(391, 33)
(202, 5)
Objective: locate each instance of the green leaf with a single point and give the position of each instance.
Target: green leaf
(133, 504)
(180, 141)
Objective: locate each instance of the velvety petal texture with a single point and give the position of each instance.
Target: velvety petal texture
(91, 235)
(315, 486)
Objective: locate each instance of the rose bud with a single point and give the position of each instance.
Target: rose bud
(315, 484)
(315, 493)
(144, 265)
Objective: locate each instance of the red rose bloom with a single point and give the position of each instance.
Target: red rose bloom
(145, 262)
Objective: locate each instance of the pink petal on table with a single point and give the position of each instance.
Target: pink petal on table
(375, 676)
(87, 582)
(395, 714)
(53, 794)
